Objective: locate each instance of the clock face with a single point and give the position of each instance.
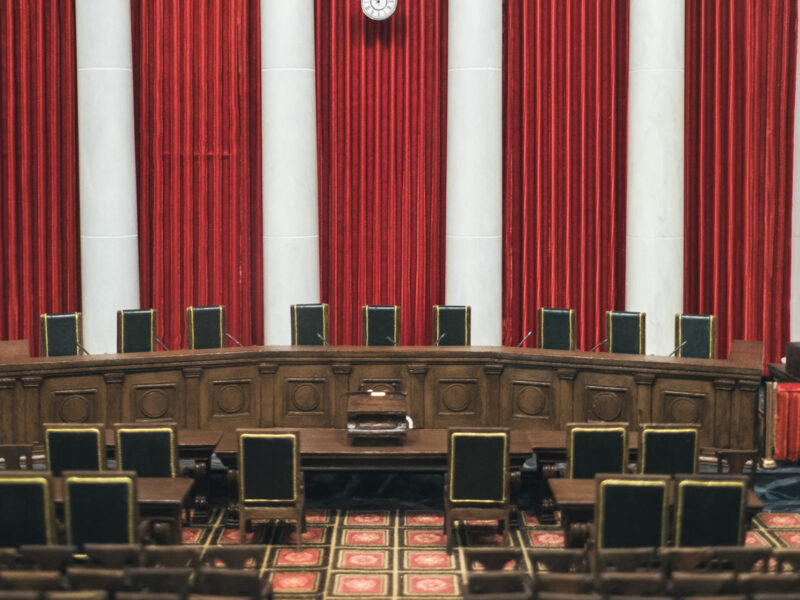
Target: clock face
(378, 10)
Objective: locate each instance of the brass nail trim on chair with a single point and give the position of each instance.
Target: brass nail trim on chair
(687, 483)
(46, 501)
(656, 430)
(571, 456)
(126, 481)
(273, 436)
(630, 483)
(85, 430)
(461, 434)
(135, 430)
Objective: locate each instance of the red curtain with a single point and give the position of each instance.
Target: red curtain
(740, 82)
(565, 141)
(197, 92)
(39, 219)
(381, 114)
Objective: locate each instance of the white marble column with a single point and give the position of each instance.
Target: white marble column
(654, 256)
(474, 242)
(107, 162)
(289, 163)
(794, 301)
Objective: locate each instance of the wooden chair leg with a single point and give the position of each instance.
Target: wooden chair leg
(448, 532)
(242, 527)
(299, 527)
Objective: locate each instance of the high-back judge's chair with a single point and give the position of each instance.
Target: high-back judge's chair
(62, 334)
(452, 325)
(205, 327)
(310, 325)
(557, 328)
(625, 331)
(380, 325)
(696, 336)
(136, 330)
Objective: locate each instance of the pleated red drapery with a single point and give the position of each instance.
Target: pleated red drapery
(381, 114)
(39, 218)
(740, 82)
(565, 139)
(197, 92)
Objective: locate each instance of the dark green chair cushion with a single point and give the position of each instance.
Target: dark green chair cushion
(478, 467)
(136, 330)
(205, 326)
(557, 328)
(147, 452)
(700, 334)
(710, 513)
(73, 450)
(61, 334)
(99, 511)
(625, 332)
(666, 452)
(594, 451)
(631, 515)
(267, 468)
(380, 325)
(454, 323)
(23, 511)
(309, 324)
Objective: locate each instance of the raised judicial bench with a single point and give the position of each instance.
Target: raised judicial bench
(303, 386)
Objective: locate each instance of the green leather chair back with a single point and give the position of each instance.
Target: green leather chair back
(61, 334)
(269, 467)
(136, 330)
(478, 467)
(149, 451)
(74, 448)
(100, 508)
(631, 513)
(700, 334)
(205, 327)
(557, 328)
(625, 331)
(26, 509)
(593, 449)
(452, 325)
(380, 325)
(310, 324)
(710, 511)
(669, 451)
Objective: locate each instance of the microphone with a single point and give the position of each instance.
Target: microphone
(230, 337)
(527, 335)
(82, 349)
(440, 338)
(160, 343)
(596, 346)
(682, 344)
(391, 341)
(324, 341)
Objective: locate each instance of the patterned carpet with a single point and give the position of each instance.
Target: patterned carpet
(399, 553)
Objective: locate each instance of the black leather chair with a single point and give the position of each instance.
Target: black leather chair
(136, 330)
(148, 449)
(557, 328)
(631, 511)
(27, 514)
(668, 449)
(596, 448)
(452, 325)
(696, 336)
(710, 510)
(380, 325)
(625, 331)
(62, 334)
(74, 447)
(310, 325)
(205, 327)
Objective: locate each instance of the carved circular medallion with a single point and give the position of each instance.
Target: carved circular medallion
(73, 409)
(684, 410)
(306, 397)
(154, 404)
(607, 406)
(531, 400)
(456, 397)
(230, 399)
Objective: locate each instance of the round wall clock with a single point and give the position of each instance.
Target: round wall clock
(378, 10)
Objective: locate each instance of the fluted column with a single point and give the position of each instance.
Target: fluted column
(654, 257)
(107, 162)
(794, 302)
(474, 267)
(289, 162)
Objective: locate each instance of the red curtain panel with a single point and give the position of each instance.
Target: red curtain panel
(39, 218)
(740, 82)
(381, 119)
(565, 140)
(197, 98)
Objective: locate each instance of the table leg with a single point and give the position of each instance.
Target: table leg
(232, 510)
(202, 511)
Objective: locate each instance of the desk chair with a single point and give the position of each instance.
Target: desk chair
(710, 510)
(477, 479)
(310, 325)
(148, 449)
(62, 334)
(625, 331)
(452, 325)
(666, 449)
(557, 328)
(631, 511)
(74, 447)
(380, 325)
(136, 331)
(27, 512)
(101, 508)
(596, 448)
(205, 327)
(696, 336)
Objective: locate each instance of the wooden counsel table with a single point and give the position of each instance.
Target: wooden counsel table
(308, 387)
(159, 498)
